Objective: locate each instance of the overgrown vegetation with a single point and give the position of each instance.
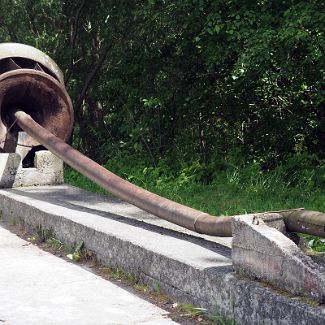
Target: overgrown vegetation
(229, 188)
(191, 80)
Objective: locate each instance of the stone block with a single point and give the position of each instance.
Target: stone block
(9, 166)
(48, 170)
(46, 162)
(264, 253)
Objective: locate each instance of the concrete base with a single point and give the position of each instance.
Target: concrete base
(186, 266)
(264, 253)
(48, 170)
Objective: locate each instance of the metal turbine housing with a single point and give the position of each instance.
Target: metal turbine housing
(32, 82)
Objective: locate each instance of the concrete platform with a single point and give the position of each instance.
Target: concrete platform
(189, 267)
(39, 288)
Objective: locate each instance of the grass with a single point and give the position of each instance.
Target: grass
(227, 189)
(232, 191)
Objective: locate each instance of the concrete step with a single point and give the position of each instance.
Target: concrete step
(188, 267)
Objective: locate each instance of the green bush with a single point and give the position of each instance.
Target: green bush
(297, 182)
(191, 82)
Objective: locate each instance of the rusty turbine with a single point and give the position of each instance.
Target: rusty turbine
(33, 99)
(31, 81)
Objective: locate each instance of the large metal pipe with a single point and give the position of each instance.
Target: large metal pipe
(171, 211)
(304, 221)
(296, 220)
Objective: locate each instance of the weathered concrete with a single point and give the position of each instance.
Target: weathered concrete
(185, 266)
(39, 288)
(264, 253)
(48, 170)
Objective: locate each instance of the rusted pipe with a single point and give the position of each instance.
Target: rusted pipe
(166, 209)
(296, 220)
(304, 221)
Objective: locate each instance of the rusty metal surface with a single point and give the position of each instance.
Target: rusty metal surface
(41, 96)
(31, 80)
(16, 50)
(166, 209)
(304, 221)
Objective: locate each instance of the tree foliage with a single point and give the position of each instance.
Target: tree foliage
(195, 79)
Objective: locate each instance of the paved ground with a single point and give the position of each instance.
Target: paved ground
(39, 288)
(186, 266)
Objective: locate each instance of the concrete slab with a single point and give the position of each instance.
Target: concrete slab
(48, 170)
(184, 265)
(39, 288)
(285, 266)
